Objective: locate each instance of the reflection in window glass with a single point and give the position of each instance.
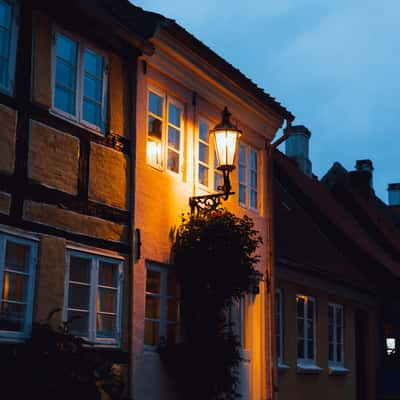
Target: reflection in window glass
(6, 38)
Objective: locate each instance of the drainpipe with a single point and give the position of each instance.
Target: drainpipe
(271, 355)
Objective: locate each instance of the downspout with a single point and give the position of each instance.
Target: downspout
(271, 355)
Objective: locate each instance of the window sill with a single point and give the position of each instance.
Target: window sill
(71, 120)
(308, 369)
(337, 370)
(282, 367)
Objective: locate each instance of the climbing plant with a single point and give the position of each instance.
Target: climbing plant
(215, 258)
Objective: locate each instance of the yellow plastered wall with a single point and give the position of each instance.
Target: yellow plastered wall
(297, 386)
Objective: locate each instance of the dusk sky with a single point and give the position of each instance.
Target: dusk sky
(334, 64)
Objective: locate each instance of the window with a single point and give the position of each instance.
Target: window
(390, 346)
(248, 176)
(305, 329)
(279, 325)
(17, 275)
(335, 329)
(162, 307)
(93, 295)
(79, 82)
(207, 174)
(165, 129)
(8, 40)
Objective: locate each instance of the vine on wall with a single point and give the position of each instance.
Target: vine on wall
(215, 257)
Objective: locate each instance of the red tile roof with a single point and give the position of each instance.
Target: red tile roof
(331, 217)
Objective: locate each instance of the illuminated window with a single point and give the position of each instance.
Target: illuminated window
(80, 82)
(279, 325)
(8, 39)
(164, 132)
(248, 176)
(208, 175)
(390, 346)
(161, 324)
(17, 274)
(306, 315)
(335, 332)
(93, 295)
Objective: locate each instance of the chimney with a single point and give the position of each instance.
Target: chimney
(364, 169)
(297, 148)
(394, 194)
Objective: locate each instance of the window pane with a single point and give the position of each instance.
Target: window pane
(107, 300)
(4, 43)
(242, 174)
(253, 159)
(253, 179)
(253, 199)
(17, 257)
(310, 309)
(300, 307)
(78, 322)
(155, 104)
(203, 131)
(174, 115)
(106, 326)
(203, 175)
(339, 316)
(92, 112)
(65, 74)
(151, 332)
(65, 100)
(330, 314)
(79, 269)
(242, 154)
(66, 48)
(172, 332)
(14, 286)
(93, 63)
(174, 138)
(108, 274)
(339, 334)
(78, 296)
(300, 349)
(154, 152)
(172, 286)
(3, 72)
(12, 316)
(310, 350)
(152, 307)
(203, 153)
(331, 354)
(172, 309)
(242, 194)
(153, 281)
(300, 328)
(310, 329)
(330, 333)
(155, 127)
(92, 88)
(5, 14)
(173, 161)
(339, 352)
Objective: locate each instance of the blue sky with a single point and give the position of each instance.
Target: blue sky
(334, 64)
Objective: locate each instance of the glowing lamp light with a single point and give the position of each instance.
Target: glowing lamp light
(225, 137)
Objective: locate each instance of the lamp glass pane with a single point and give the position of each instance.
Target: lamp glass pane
(225, 143)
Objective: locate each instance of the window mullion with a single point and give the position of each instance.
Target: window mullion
(2, 264)
(335, 344)
(163, 304)
(305, 312)
(93, 304)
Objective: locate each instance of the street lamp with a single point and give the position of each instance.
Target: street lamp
(225, 136)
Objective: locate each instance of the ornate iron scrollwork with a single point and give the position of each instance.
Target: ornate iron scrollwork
(206, 204)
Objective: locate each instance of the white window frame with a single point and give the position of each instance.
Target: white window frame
(20, 335)
(164, 271)
(247, 166)
(82, 45)
(167, 100)
(9, 88)
(279, 324)
(335, 362)
(95, 258)
(212, 158)
(305, 360)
